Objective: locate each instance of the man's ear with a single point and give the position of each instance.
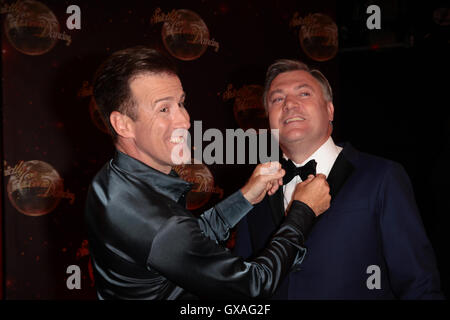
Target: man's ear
(122, 124)
(330, 110)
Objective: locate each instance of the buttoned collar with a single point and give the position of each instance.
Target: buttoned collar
(170, 185)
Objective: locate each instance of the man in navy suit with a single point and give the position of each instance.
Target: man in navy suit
(370, 243)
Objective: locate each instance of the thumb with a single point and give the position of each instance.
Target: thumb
(309, 179)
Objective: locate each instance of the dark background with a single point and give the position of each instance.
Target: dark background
(390, 95)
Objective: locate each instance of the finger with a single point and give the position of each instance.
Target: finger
(269, 168)
(307, 181)
(276, 163)
(273, 176)
(262, 167)
(279, 175)
(270, 163)
(274, 188)
(320, 179)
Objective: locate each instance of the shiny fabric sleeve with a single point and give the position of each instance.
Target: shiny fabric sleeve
(182, 253)
(216, 222)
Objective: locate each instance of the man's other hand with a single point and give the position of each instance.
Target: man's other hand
(315, 192)
(266, 178)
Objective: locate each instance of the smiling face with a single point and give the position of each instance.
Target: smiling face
(162, 121)
(297, 108)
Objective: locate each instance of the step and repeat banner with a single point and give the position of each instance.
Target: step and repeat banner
(54, 140)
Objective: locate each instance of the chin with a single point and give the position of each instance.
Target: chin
(292, 136)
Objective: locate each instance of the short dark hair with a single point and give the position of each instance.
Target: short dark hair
(286, 65)
(111, 85)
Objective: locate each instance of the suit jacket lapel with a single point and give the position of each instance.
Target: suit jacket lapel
(341, 170)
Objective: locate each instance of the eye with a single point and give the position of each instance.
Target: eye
(164, 109)
(276, 100)
(181, 104)
(305, 94)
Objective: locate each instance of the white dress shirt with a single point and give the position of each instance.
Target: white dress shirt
(325, 157)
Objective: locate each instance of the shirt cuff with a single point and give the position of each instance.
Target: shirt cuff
(234, 208)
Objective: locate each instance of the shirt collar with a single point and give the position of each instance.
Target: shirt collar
(325, 157)
(170, 185)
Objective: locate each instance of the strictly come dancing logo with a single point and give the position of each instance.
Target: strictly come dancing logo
(35, 188)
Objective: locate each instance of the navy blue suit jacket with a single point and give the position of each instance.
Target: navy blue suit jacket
(373, 220)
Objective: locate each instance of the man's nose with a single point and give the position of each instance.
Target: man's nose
(182, 119)
(289, 102)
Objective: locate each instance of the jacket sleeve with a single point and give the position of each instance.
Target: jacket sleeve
(407, 250)
(183, 254)
(216, 222)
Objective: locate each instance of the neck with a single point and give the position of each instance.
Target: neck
(300, 151)
(133, 152)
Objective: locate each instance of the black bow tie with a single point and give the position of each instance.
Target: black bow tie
(292, 170)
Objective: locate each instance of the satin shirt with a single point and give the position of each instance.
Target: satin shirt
(144, 244)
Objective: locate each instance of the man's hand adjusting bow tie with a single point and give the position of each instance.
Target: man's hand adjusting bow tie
(292, 170)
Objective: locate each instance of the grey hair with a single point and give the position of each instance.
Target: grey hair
(285, 65)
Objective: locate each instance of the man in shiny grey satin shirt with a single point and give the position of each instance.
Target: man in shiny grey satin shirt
(144, 244)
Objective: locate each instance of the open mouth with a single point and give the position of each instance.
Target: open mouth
(179, 136)
(177, 140)
(287, 121)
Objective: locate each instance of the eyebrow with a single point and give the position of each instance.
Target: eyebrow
(304, 85)
(169, 98)
(274, 92)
